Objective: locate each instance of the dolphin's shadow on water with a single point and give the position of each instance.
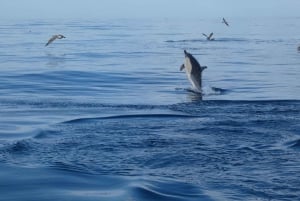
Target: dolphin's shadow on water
(219, 91)
(196, 96)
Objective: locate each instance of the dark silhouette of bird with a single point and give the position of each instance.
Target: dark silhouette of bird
(225, 22)
(54, 37)
(209, 37)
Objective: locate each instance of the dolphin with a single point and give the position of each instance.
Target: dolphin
(225, 22)
(193, 71)
(54, 37)
(209, 37)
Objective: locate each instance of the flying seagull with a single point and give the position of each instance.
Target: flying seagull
(225, 22)
(54, 37)
(209, 37)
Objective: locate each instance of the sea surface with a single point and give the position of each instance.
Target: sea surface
(105, 114)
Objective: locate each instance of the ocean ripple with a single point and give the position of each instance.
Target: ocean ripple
(64, 183)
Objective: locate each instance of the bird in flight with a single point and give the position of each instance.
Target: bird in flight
(225, 22)
(54, 37)
(209, 37)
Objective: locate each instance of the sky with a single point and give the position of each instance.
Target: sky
(85, 9)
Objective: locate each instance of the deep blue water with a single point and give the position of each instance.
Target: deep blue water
(105, 114)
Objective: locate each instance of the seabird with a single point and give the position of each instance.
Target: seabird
(225, 22)
(54, 37)
(209, 37)
(193, 71)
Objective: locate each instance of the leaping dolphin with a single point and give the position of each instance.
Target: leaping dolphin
(54, 37)
(225, 22)
(193, 71)
(209, 37)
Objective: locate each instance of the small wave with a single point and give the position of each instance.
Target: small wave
(45, 134)
(215, 91)
(19, 147)
(196, 96)
(76, 185)
(64, 166)
(295, 144)
(232, 40)
(185, 40)
(204, 40)
(55, 103)
(126, 116)
(167, 190)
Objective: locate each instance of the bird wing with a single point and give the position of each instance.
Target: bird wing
(51, 40)
(225, 22)
(204, 35)
(210, 35)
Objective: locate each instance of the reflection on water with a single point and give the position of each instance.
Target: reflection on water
(194, 96)
(54, 60)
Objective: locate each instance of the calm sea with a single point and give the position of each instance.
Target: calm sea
(105, 114)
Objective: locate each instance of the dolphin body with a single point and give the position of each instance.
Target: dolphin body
(193, 71)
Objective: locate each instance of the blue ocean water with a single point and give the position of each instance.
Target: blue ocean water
(105, 114)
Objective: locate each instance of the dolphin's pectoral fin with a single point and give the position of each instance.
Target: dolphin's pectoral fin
(182, 67)
(203, 67)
